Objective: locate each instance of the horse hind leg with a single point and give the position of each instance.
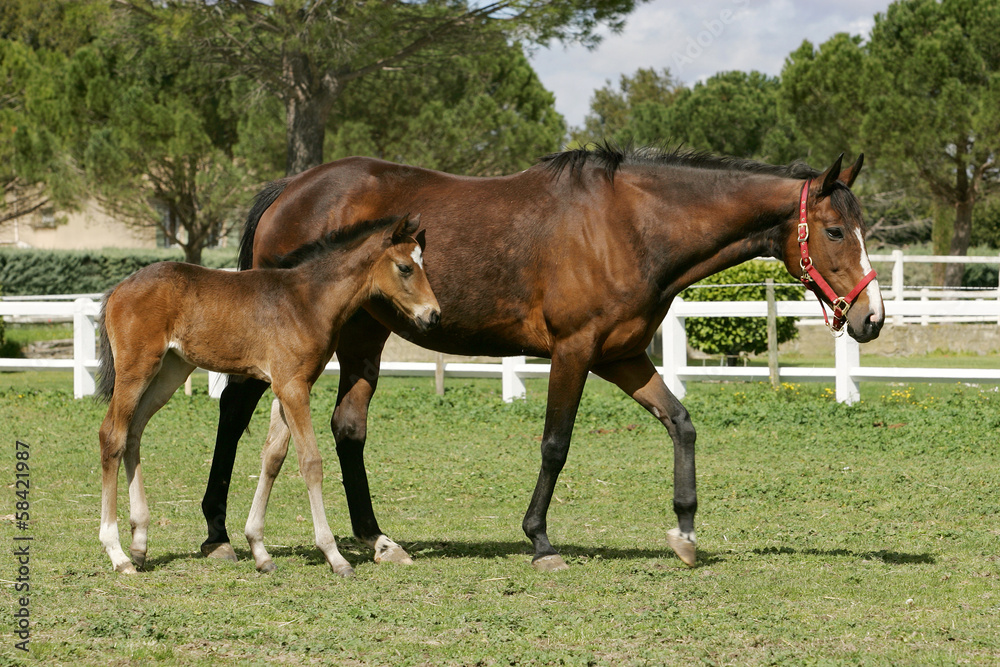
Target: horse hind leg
(271, 459)
(638, 378)
(173, 371)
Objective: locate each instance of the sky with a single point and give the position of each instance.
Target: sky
(695, 40)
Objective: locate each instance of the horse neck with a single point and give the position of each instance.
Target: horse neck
(338, 282)
(711, 221)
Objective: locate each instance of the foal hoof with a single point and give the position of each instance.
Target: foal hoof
(550, 563)
(683, 545)
(268, 566)
(345, 571)
(219, 550)
(126, 568)
(138, 557)
(387, 551)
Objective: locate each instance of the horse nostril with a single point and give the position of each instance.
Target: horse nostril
(434, 318)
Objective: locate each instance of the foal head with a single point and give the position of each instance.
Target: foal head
(827, 250)
(398, 275)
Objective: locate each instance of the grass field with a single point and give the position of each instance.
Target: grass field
(830, 535)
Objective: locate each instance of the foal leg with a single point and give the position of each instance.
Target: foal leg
(235, 410)
(567, 378)
(638, 378)
(271, 458)
(294, 399)
(172, 374)
(113, 434)
(359, 353)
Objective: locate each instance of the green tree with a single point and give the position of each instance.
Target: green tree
(822, 94)
(732, 113)
(933, 115)
(483, 115)
(35, 41)
(616, 112)
(306, 52)
(157, 135)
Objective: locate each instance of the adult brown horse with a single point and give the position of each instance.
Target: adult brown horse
(576, 259)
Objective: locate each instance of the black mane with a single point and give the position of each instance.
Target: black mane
(612, 157)
(338, 239)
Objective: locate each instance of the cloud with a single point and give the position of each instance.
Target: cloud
(696, 41)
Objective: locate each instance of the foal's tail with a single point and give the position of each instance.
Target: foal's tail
(106, 376)
(261, 202)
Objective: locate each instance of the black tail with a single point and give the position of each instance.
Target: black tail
(261, 203)
(106, 375)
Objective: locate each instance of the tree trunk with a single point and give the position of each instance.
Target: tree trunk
(961, 232)
(959, 241)
(306, 128)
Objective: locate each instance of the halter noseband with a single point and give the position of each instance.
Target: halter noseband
(814, 281)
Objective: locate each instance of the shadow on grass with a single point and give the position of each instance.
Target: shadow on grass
(356, 553)
(892, 557)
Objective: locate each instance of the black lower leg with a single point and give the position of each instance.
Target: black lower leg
(236, 407)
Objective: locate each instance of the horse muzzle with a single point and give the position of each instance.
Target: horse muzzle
(428, 319)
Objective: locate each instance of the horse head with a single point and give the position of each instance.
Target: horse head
(827, 251)
(399, 274)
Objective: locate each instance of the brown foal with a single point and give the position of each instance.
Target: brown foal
(277, 325)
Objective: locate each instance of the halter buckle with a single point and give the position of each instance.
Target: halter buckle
(803, 232)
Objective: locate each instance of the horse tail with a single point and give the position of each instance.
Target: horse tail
(261, 202)
(106, 377)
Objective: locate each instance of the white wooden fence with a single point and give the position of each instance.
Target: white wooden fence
(846, 373)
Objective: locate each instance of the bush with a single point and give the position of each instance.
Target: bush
(734, 336)
(36, 272)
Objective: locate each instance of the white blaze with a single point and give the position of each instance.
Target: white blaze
(872, 290)
(418, 257)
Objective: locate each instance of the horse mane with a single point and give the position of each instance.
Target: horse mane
(338, 239)
(612, 157)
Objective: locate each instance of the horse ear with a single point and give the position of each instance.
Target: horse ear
(849, 175)
(829, 177)
(404, 228)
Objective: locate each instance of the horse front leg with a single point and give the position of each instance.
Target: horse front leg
(236, 407)
(567, 377)
(271, 459)
(294, 398)
(359, 352)
(638, 378)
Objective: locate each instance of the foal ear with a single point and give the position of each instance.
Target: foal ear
(405, 227)
(421, 238)
(849, 175)
(829, 177)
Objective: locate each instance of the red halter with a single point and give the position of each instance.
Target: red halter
(814, 281)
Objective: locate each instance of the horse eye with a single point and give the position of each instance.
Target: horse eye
(835, 234)
(404, 269)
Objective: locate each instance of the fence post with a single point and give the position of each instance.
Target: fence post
(772, 332)
(216, 383)
(897, 283)
(847, 357)
(439, 373)
(84, 349)
(925, 296)
(674, 351)
(513, 385)
(998, 295)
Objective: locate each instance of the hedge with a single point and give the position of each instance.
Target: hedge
(28, 272)
(734, 336)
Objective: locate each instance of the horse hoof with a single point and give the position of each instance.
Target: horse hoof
(138, 557)
(345, 571)
(126, 568)
(268, 566)
(219, 550)
(392, 553)
(683, 545)
(550, 563)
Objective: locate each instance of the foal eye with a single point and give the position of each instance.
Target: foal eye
(404, 269)
(835, 233)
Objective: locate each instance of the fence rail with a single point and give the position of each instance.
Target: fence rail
(846, 373)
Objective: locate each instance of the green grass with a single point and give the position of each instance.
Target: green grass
(829, 535)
